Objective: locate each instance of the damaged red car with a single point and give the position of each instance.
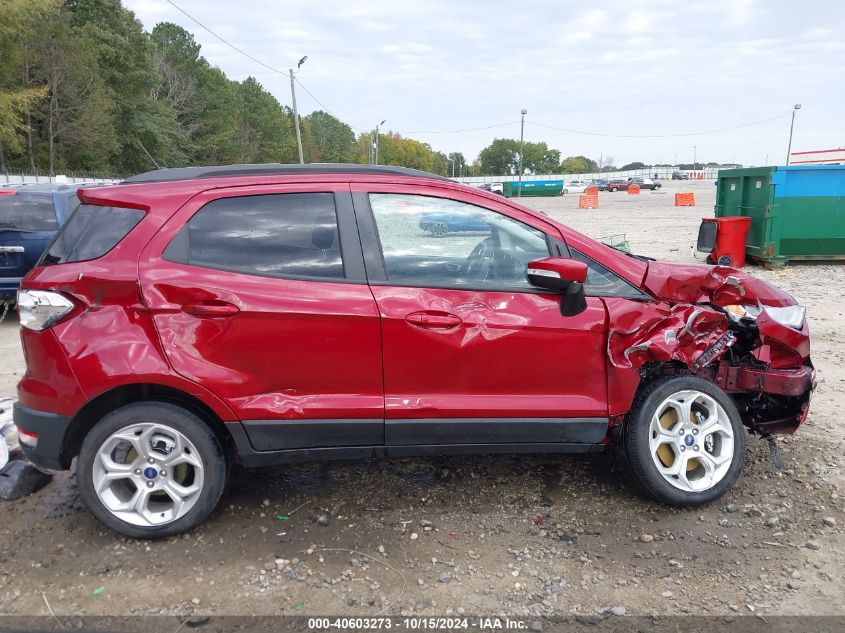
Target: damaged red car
(188, 320)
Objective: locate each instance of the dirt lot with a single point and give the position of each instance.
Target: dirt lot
(452, 535)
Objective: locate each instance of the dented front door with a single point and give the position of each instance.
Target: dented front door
(472, 353)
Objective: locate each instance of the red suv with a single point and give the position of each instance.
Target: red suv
(191, 319)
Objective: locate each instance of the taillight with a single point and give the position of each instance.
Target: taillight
(39, 309)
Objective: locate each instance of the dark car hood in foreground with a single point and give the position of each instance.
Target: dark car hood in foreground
(719, 285)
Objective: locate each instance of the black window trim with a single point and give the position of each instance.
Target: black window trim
(376, 268)
(351, 256)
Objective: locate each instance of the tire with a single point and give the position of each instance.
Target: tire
(439, 229)
(614, 189)
(187, 462)
(564, 192)
(694, 485)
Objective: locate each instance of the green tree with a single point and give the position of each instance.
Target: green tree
(578, 165)
(266, 131)
(634, 165)
(500, 158)
(331, 140)
(457, 164)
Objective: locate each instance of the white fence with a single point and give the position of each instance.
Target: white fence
(60, 179)
(665, 173)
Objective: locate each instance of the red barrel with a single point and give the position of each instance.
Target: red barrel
(730, 239)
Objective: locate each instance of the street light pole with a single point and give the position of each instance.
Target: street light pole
(521, 137)
(295, 112)
(694, 157)
(375, 151)
(791, 127)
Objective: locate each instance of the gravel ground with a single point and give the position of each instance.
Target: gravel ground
(461, 534)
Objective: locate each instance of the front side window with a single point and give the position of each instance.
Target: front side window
(275, 235)
(602, 282)
(438, 242)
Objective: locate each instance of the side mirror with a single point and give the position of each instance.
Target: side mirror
(566, 276)
(556, 273)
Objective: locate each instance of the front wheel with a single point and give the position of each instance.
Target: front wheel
(151, 469)
(684, 442)
(613, 189)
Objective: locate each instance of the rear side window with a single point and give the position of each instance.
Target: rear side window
(274, 235)
(27, 213)
(91, 232)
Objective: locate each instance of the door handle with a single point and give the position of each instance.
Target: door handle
(434, 320)
(210, 309)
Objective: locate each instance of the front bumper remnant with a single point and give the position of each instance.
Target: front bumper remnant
(782, 382)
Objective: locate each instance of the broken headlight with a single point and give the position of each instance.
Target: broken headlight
(790, 316)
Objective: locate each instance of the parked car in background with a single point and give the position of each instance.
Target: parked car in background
(493, 187)
(679, 175)
(574, 186)
(442, 224)
(645, 183)
(617, 185)
(191, 319)
(30, 215)
(601, 183)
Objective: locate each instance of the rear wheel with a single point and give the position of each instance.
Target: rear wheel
(684, 442)
(151, 469)
(439, 229)
(612, 189)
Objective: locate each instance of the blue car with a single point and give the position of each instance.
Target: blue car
(443, 223)
(30, 215)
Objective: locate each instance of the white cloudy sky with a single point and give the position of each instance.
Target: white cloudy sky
(616, 67)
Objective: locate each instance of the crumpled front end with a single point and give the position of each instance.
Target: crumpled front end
(718, 323)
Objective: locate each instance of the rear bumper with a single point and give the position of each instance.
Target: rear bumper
(51, 450)
(9, 288)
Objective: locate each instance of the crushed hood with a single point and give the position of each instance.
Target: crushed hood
(717, 285)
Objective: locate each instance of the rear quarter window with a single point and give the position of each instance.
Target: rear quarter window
(91, 232)
(27, 213)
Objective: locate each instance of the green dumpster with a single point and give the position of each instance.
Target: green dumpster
(532, 188)
(797, 212)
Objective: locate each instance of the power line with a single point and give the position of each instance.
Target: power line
(226, 42)
(725, 129)
(472, 129)
(250, 57)
(476, 129)
(320, 103)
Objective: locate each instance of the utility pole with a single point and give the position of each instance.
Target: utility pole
(375, 145)
(521, 136)
(694, 157)
(295, 113)
(791, 127)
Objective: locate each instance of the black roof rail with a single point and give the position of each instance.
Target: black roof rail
(268, 169)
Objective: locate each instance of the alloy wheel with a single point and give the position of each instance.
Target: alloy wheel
(691, 441)
(439, 229)
(148, 474)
